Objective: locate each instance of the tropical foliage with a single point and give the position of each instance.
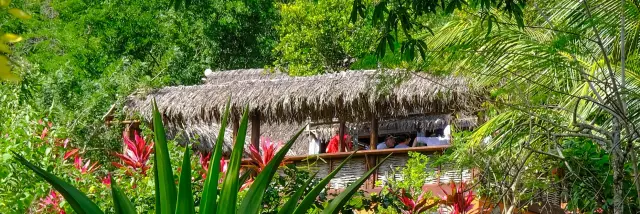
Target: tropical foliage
(179, 199)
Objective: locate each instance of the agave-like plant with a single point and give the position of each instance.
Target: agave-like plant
(172, 199)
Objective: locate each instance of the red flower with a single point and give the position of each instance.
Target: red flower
(51, 203)
(136, 154)
(269, 149)
(85, 167)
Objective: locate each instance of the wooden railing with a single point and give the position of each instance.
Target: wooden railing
(360, 163)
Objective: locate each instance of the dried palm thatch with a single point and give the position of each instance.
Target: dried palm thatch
(278, 98)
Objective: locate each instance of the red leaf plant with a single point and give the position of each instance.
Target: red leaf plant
(269, 149)
(107, 180)
(136, 154)
(85, 167)
(51, 203)
(414, 206)
(460, 200)
(205, 158)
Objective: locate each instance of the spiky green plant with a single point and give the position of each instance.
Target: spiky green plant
(179, 199)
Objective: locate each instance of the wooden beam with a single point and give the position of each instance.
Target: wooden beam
(255, 129)
(341, 144)
(373, 141)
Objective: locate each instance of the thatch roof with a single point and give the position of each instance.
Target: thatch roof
(286, 103)
(351, 95)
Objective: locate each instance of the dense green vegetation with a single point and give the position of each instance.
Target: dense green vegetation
(564, 79)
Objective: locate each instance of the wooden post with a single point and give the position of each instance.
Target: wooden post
(341, 144)
(255, 129)
(373, 142)
(235, 125)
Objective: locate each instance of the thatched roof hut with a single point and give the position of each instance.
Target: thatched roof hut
(284, 103)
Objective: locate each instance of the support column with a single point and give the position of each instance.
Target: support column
(255, 129)
(341, 144)
(373, 137)
(235, 125)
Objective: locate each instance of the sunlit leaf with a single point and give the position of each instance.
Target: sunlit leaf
(19, 13)
(10, 37)
(5, 3)
(5, 70)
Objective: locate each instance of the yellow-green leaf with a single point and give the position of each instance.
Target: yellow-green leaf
(10, 37)
(4, 3)
(4, 48)
(5, 70)
(19, 13)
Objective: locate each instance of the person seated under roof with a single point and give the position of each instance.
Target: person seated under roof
(388, 143)
(332, 147)
(403, 141)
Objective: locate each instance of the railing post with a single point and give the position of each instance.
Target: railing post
(341, 144)
(255, 129)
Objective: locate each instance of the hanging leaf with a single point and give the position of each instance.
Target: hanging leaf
(19, 13)
(10, 37)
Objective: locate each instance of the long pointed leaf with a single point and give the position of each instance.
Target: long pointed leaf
(185, 197)
(78, 200)
(230, 184)
(253, 200)
(157, 184)
(290, 205)
(165, 174)
(339, 201)
(210, 191)
(120, 202)
(308, 200)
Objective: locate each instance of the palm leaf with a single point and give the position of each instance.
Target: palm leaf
(230, 184)
(166, 183)
(210, 192)
(78, 200)
(253, 200)
(339, 201)
(185, 197)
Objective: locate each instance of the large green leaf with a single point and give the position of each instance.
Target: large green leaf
(78, 200)
(156, 184)
(121, 203)
(253, 200)
(339, 201)
(308, 200)
(185, 197)
(163, 166)
(290, 205)
(210, 192)
(230, 184)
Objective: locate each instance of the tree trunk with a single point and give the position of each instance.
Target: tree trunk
(617, 163)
